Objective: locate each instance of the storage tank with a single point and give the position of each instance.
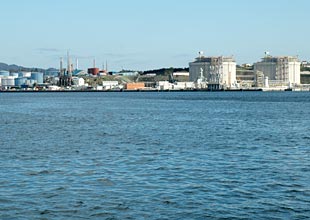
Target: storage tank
(30, 82)
(8, 81)
(20, 81)
(37, 76)
(4, 73)
(93, 71)
(15, 75)
(24, 74)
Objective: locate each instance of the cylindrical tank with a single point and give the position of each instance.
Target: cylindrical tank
(24, 74)
(15, 75)
(37, 76)
(20, 81)
(30, 82)
(8, 81)
(4, 73)
(93, 71)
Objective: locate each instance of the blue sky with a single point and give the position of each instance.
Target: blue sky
(141, 34)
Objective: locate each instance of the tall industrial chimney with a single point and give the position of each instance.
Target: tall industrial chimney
(61, 66)
(77, 63)
(69, 62)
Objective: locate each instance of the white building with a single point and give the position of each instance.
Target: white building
(180, 74)
(284, 70)
(217, 72)
(184, 85)
(163, 85)
(53, 88)
(107, 85)
(78, 81)
(166, 85)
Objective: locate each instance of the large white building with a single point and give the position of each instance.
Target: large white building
(284, 70)
(216, 72)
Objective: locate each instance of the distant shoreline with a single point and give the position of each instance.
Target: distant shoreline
(128, 91)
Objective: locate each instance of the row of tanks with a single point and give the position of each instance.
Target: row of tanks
(20, 79)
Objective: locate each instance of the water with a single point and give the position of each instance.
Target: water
(242, 155)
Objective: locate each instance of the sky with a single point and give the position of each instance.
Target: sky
(144, 34)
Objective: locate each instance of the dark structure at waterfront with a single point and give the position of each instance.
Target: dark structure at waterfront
(65, 75)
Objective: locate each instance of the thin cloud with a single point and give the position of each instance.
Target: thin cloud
(47, 50)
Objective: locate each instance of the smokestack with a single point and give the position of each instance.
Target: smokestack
(94, 63)
(69, 62)
(77, 63)
(61, 66)
(106, 66)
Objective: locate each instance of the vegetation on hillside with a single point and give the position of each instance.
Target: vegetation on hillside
(165, 71)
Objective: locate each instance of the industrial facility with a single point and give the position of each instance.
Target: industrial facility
(204, 73)
(213, 72)
(65, 75)
(19, 80)
(279, 71)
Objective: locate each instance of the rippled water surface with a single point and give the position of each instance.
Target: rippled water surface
(242, 155)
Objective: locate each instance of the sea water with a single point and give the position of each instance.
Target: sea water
(170, 155)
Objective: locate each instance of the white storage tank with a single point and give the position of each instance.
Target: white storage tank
(15, 75)
(24, 74)
(4, 73)
(8, 81)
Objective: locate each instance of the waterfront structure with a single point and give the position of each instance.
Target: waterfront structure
(216, 72)
(65, 76)
(7, 81)
(78, 81)
(20, 81)
(282, 70)
(166, 85)
(305, 77)
(15, 75)
(37, 76)
(260, 80)
(93, 71)
(24, 74)
(245, 77)
(4, 73)
(163, 85)
(107, 85)
(134, 86)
